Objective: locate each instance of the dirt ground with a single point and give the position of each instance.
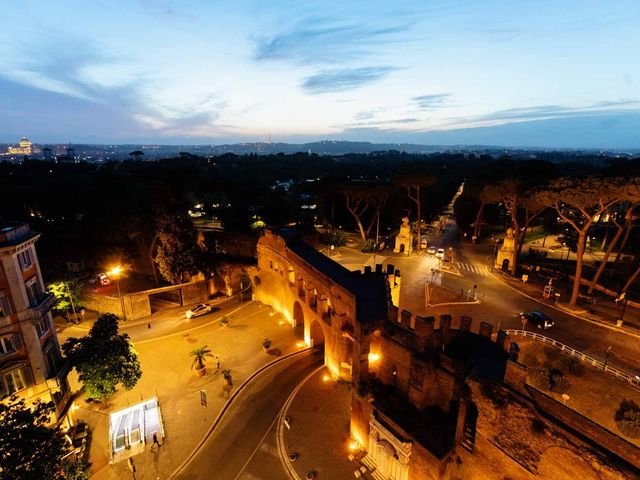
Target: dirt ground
(592, 393)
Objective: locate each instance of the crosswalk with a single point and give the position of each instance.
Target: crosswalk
(469, 267)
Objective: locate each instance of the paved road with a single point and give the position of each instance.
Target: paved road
(242, 430)
(500, 304)
(161, 324)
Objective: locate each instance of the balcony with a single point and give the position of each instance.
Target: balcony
(44, 305)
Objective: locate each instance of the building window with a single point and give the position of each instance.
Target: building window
(34, 291)
(51, 358)
(14, 381)
(25, 259)
(42, 326)
(6, 345)
(5, 305)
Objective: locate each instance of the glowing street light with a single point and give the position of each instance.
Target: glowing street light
(116, 273)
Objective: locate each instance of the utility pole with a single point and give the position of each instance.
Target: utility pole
(73, 307)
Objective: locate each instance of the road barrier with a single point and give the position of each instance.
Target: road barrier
(633, 380)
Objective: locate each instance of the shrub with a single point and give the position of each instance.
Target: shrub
(557, 380)
(368, 246)
(627, 418)
(334, 237)
(540, 378)
(573, 366)
(551, 379)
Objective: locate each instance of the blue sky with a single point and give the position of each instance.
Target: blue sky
(511, 72)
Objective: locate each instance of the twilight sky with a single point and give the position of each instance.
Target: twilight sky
(503, 72)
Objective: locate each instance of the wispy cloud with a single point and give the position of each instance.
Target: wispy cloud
(314, 41)
(373, 123)
(68, 66)
(558, 111)
(339, 80)
(428, 102)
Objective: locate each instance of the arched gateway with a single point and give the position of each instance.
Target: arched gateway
(338, 308)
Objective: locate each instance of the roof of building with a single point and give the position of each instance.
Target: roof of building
(370, 290)
(15, 233)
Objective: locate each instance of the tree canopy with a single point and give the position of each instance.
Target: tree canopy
(29, 449)
(104, 358)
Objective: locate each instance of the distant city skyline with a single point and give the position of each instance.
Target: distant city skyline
(523, 74)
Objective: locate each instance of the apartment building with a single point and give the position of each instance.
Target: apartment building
(31, 365)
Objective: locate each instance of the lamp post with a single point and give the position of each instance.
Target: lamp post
(116, 272)
(73, 307)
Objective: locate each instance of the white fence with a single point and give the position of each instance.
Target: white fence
(633, 380)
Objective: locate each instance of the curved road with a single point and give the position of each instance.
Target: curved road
(242, 429)
(500, 304)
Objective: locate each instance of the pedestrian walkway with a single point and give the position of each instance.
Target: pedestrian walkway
(469, 267)
(318, 434)
(167, 375)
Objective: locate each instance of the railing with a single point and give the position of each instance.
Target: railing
(633, 380)
(39, 310)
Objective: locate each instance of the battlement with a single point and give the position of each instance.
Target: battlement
(424, 333)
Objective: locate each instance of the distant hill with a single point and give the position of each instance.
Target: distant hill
(95, 152)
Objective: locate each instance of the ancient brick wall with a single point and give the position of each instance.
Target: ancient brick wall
(308, 298)
(584, 426)
(361, 410)
(423, 465)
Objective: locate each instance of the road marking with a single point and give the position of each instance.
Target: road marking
(226, 407)
(469, 267)
(257, 448)
(284, 459)
(603, 325)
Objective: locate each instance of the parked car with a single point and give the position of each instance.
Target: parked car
(440, 253)
(538, 319)
(100, 279)
(200, 309)
(431, 250)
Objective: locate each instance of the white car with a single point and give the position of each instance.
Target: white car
(440, 253)
(431, 250)
(200, 309)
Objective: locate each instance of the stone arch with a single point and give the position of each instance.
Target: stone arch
(505, 264)
(238, 280)
(298, 314)
(316, 334)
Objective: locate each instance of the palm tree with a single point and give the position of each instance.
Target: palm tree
(199, 355)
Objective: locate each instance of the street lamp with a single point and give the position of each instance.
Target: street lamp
(116, 272)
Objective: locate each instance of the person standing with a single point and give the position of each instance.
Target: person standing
(132, 467)
(155, 441)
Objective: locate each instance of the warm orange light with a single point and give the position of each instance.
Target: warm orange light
(300, 344)
(271, 314)
(374, 357)
(325, 377)
(280, 322)
(74, 407)
(117, 270)
(354, 445)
